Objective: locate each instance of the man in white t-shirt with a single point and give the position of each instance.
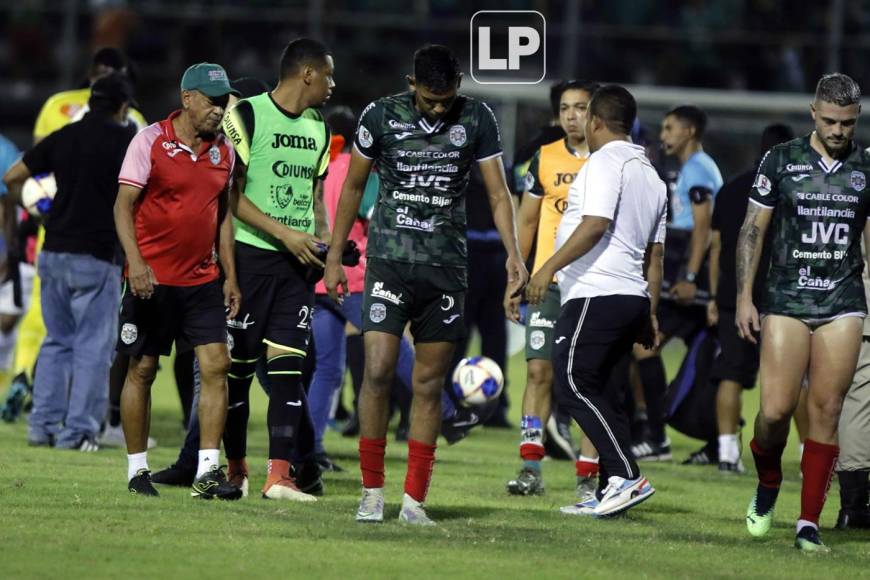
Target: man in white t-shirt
(609, 267)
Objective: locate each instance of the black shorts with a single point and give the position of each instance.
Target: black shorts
(432, 298)
(739, 359)
(191, 315)
(277, 303)
(681, 321)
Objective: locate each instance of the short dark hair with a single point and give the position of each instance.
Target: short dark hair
(301, 52)
(559, 88)
(614, 105)
(838, 89)
(774, 135)
(692, 115)
(109, 57)
(341, 121)
(436, 68)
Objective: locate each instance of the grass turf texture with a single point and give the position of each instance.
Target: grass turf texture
(67, 514)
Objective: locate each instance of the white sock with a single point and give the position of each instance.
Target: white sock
(728, 449)
(208, 461)
(803, 523)
(588, 459)
(135, 462)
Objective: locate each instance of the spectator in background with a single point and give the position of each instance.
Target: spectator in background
(81, 286)
(737, 365)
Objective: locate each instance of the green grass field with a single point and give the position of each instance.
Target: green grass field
(67, 514)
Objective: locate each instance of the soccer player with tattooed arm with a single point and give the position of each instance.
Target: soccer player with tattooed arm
(424, 142)
(812, 192)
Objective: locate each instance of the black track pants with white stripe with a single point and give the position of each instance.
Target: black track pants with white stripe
(591, 336)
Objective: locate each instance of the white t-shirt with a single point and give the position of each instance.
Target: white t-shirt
(619, 183)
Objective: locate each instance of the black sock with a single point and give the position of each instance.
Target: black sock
(117, 376)
(183, 369)
(285, 403)
(238, 410)
(652, 375)
(765, 499)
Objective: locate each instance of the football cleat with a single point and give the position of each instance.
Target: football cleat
(457, 427)
(706, 455)
(286, 488)
(648, 450)
(586, 487)
(371, 506)
(141, 484)
(308, 478)
(175, 475)
(214, 484)
(808, 540)
(528, 482)
(757, 523)
(413, 513)
(622, 494)
(728, 467)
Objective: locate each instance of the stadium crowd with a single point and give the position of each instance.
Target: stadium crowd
(264, 232)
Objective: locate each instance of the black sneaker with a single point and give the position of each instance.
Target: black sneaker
(703, 456)
(214, 484)
(850, 520)
(728, 467)
(648, 450)
(458, 427)
(141, 484)
(308, 478)
(326, 464)
(557, 442)
(351, 428)
(175, 475)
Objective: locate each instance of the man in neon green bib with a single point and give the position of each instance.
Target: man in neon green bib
(282, 146)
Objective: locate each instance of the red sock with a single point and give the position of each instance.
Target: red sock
(371, 461)
(421, 459)
(768, 464)
(531, 451)
(586, 468)
(817, 467)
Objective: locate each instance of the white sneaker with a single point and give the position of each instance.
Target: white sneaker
(371, 505)
(114, 437)
(413, 512)
(621, 494)
(585, 507)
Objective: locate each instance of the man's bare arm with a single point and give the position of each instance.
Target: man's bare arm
(529, 215)
(702, 214)
(749, 244)
(321, 218)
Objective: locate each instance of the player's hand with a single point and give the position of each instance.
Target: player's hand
(537, 287)
(511, 306)
(746, 320)
(712, 313)
(232, 298)
(649, 336)
(142, 279)
(333, 278)
(684, 292)
(304, 246)
(517, 275)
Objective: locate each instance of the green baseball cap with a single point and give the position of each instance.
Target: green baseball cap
(209, 79)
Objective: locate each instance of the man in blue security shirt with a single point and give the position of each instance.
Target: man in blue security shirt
(685, 289)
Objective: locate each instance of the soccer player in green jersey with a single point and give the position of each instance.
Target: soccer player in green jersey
(282, 146)
(812, 192)
(423, 143)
